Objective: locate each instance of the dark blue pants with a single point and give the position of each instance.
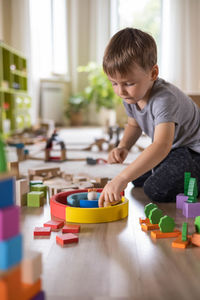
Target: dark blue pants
(166, 180)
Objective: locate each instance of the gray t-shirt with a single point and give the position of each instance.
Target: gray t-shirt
(169, 104)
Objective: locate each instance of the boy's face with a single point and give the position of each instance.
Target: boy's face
(136, 85)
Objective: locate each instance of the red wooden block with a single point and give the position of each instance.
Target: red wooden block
(71, 228)
(42, 231)
(54, 224)
(66, 238)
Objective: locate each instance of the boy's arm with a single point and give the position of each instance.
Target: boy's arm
(131, 134)
(148, 159)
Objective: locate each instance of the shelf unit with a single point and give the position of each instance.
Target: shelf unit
(15, 103)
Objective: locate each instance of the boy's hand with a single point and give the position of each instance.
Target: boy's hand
(112, 190)
(117, 155)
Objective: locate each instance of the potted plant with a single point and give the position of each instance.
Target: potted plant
(75, 107)
(99, 90)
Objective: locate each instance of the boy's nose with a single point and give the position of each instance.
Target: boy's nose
(121, 91)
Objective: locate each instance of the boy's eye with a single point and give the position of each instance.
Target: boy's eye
(114, 83)
(129, 83)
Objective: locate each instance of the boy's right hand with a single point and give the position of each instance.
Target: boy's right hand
(117, 155)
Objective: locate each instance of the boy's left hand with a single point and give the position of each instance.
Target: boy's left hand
(112, 190)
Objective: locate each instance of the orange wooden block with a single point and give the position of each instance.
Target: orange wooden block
(162, 235)
(10, 284)
(178, 243)
(144, 221)
(149, 226)
(195, 239)
(30, 290)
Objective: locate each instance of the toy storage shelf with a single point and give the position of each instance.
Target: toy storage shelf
(15, 103)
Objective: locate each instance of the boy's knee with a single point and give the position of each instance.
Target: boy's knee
(155, 194)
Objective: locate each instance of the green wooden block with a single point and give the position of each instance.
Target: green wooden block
(197, 224)
(35, 199)
(3, 162)
(184, 231)
(166, 224)
(155, 215)
(187, 176)
(35, 182)
(39, 188)
(148, 208)
(192, 190)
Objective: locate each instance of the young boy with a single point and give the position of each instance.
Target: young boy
(157, 108)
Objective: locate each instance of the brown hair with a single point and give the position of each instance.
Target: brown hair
(129, 46)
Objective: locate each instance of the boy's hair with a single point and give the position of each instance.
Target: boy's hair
(127, 47)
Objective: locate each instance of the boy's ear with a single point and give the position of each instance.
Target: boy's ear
(154, 72)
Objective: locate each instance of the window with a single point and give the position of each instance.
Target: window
(49, 37)
(143, 14)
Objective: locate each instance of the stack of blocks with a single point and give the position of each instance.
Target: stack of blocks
(33, 195)
(188, 201)
(18, 280)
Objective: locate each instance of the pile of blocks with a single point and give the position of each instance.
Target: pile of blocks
(31, 194)
(19, 278)
(67, 236)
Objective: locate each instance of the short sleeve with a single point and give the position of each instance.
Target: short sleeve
(165, 109)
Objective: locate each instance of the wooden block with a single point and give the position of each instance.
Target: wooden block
(10, 252)
(66, 238)
(77, 179)
(54, 224)
(22, 188)
(196, 239)
(144, 221)
(39, 171)
(7, 188)
(69, 228)
(161, 235)
(31, 267)
(30, 290)
(39, 296)
(178, 243)
(14, 168)
(149, 226)
(42, 231)
(35, 199)
(9, 222)
(10, 284)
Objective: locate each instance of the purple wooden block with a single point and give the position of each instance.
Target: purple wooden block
(191, 210)
(180, 199)
(9, 222)
(39, 296)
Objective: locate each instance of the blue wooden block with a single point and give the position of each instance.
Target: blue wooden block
(10, 252)
(89, 203)
(39, 296)
(80, 200)
(7, 192)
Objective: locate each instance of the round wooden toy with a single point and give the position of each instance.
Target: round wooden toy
(61, 210)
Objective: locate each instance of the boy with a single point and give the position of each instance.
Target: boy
(157, 108)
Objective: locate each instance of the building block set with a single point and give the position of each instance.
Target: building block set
(15, 284)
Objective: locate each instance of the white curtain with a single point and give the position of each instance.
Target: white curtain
(180, 47)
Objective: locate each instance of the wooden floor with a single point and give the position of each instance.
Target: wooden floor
(112, 260)
(115, 260)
